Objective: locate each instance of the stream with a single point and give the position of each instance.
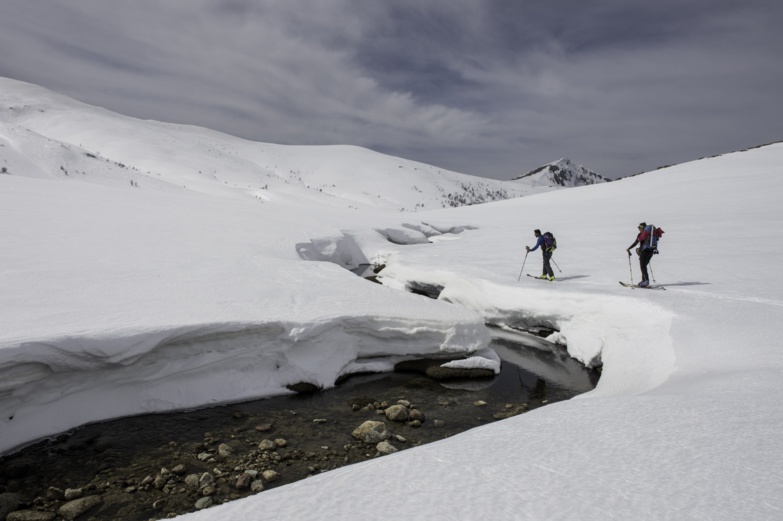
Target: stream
(161, 465)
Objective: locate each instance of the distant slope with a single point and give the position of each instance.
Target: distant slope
(563, 173)
(45, 134)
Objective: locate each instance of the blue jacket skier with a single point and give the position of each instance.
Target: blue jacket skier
(546, 251)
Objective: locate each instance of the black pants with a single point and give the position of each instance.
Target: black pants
(547, 267)
(645, 256)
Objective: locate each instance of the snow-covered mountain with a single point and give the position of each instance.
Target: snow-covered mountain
(561, 173)
(48, 135)
(148, 267)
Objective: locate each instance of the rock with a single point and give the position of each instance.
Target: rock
(252, 473)
(280, 442)
(73, 509)
(206, 479)
(159, 482)
(266, 444)
(191, 480)
(264, 427)
(439, 423)
(433, 368)
(415, 414)
(9, 502)
(270, 475)
(243, 482)
(397, 413)
(179, 470)
(303, 388)
(404, 403)
(30, 515)
(204, 502)
(256, 486)
(204, 456)
(479, 403)
(385, 447)
(371, 432)
(52, 493)
(415, 423)
(225, 450)
(208, 490)
(73, 493)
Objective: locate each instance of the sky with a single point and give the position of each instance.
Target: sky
(492, 88)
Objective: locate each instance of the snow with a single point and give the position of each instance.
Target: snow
(119, 299)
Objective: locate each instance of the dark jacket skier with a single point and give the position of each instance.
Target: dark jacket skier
(547, 254)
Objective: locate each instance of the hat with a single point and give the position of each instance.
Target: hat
(642, 225)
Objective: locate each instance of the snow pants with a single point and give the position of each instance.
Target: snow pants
(547, 267)
(645, 256)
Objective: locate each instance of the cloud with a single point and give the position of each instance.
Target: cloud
(489, 88)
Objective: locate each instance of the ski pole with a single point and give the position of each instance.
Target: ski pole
(523, 267)
(556, 266)
(630, 268)
(651, 272)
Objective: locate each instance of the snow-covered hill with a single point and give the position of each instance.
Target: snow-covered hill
(139, 272)
(48, 135)
(561, 173)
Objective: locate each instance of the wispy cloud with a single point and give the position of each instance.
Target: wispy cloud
(488, 88)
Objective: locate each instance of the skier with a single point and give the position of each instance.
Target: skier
(546, 249)
(647, 239)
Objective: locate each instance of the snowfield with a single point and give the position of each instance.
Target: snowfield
(143, 268)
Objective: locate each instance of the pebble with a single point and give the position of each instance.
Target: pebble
(204, 502)
(385, 447)
(371, 432)
(243, 482)
(53, 493)
(225, 450)
(73, 509)
(270, 475)
(266, 444)
(30, 515)
(398, 413)
(415, 414)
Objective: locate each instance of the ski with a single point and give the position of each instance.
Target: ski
(639, 287)
(539, 278)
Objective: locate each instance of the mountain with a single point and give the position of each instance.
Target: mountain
(562, 173)
(47, 135)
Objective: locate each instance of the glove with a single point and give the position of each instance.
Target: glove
(527, 248)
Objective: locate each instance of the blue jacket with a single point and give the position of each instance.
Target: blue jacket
(539, 242)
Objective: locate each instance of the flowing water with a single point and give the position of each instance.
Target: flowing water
(138, 467)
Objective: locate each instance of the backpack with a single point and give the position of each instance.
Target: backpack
(651, 242)
(550, 243)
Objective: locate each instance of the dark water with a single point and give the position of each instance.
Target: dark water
(112, 459)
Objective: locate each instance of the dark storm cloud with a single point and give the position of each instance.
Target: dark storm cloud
(491, 87)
